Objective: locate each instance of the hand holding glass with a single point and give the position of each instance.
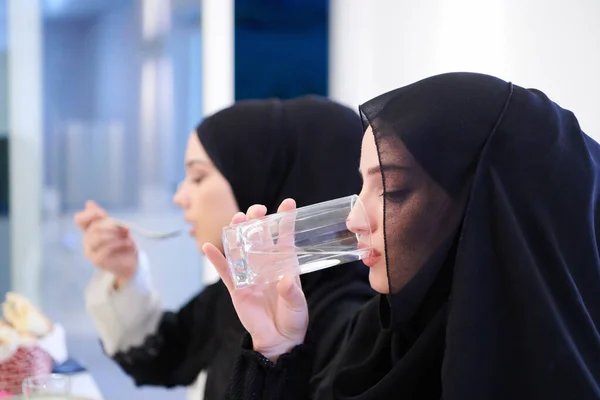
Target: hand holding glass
(296, 242)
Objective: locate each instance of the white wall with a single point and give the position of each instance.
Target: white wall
(26, 143)
(3, 92)
(551, 45)
(217, 55)
(3, 71)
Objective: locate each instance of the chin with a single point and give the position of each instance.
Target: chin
(379, 281)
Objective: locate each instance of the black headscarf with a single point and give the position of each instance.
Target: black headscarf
(270, 150)
(506, 300)
(307, 149)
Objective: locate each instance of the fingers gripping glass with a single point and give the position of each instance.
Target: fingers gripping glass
(297, 242)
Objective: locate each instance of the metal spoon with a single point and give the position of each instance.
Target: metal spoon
(146, 232)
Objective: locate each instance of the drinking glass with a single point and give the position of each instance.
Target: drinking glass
(47, 387)
(296, 242)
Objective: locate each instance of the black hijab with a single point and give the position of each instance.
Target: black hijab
(303, 148)
(270, 150)
(506, 300)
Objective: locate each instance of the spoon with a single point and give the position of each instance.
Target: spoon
(147, 232)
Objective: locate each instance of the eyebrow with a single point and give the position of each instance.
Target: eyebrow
(379, 169)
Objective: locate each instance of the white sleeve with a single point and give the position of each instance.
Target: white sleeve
(124, 317)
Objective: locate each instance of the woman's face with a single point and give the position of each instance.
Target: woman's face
(421, 212)
(372, 199)
(204, 195)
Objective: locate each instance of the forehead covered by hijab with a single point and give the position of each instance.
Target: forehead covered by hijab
(443, 121)
(306, 148)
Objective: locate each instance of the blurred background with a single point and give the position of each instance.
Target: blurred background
(98, 97)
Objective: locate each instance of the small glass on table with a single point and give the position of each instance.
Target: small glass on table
(47, 387)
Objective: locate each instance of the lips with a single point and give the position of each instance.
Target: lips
(371, 256)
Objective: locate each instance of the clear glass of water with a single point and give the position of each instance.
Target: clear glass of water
(296, 242)
(47, 387)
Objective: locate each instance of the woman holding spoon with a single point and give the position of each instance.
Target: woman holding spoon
(482, 205)
(306, 146)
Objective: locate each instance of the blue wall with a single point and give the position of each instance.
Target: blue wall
(281, 48)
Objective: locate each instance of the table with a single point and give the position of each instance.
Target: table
(84, 385)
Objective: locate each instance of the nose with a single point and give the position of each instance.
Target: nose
(358, 221)
(180, 197)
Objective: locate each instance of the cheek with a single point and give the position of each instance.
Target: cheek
(414, 227)
(374, 207)
(422, 221)
(213, 210)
